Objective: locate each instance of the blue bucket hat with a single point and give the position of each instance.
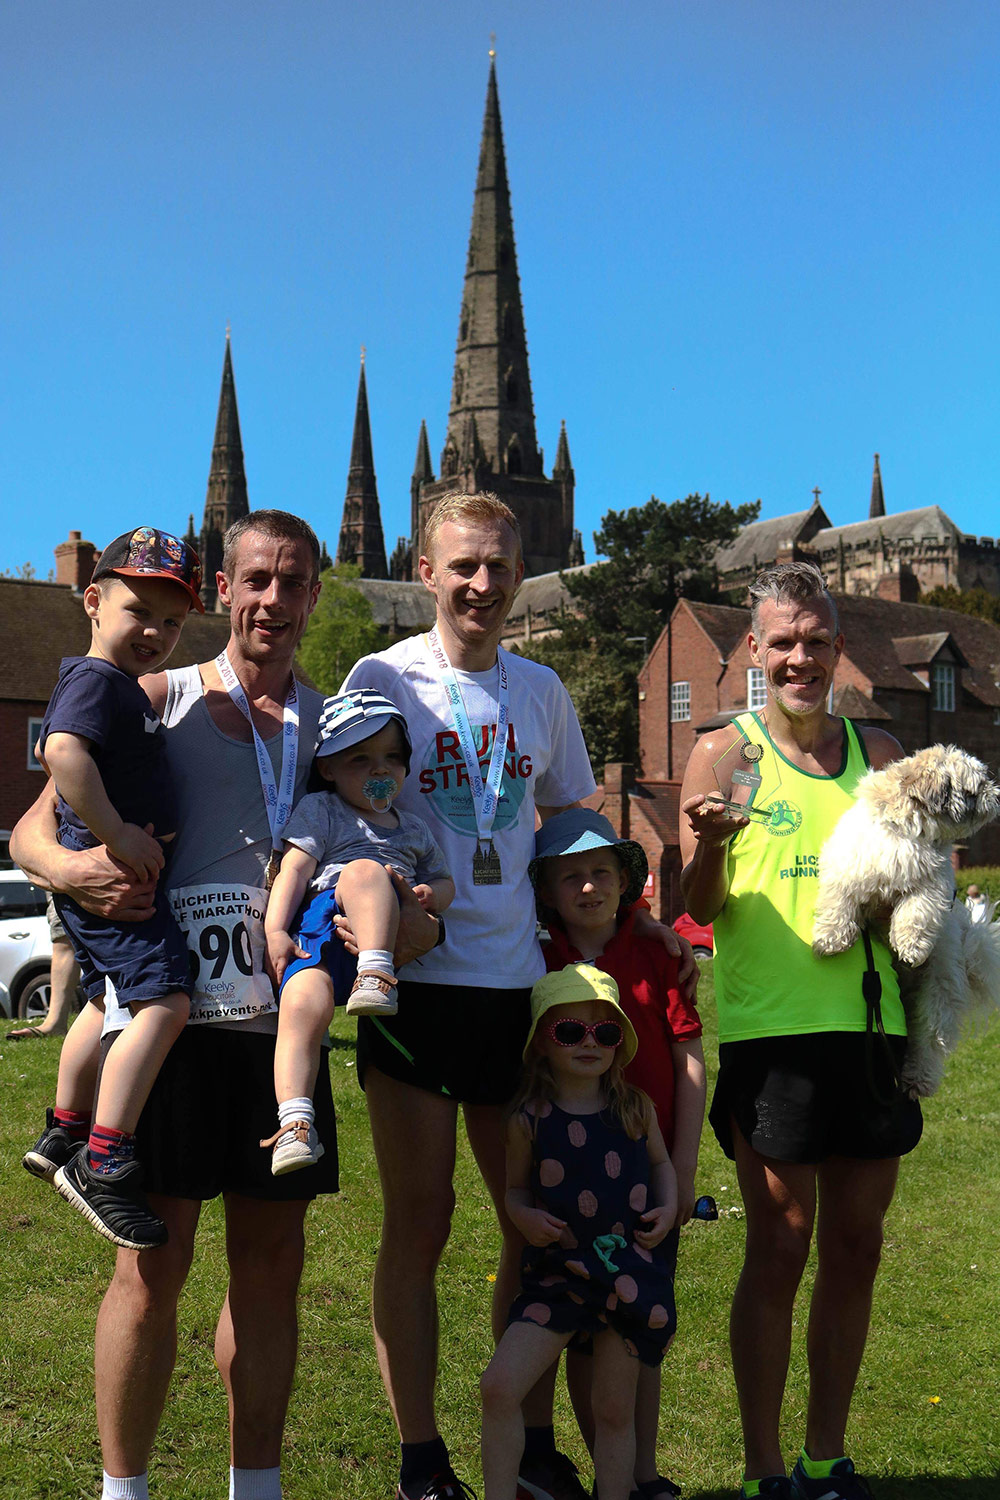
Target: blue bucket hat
(579, 829)
(349, 718)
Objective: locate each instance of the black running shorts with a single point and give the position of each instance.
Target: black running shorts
(211, 1106)
(804, 1098)
(461, 1041)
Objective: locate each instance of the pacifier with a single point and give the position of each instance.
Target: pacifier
(380, 791)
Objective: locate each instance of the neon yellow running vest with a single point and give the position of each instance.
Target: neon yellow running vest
(768, 981)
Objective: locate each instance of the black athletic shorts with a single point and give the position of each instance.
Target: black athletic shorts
(461, 1041)
(804, 1098)
(211, 1106)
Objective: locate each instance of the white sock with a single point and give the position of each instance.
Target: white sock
(289, 1110)
(131, 1487)
(375, 958)
(254, 1484)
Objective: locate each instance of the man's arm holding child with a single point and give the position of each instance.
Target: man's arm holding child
(689, 1115)
(662, 1215)
(96, 880)
(78, 780)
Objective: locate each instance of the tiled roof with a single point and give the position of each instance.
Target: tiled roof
(851, 703)
(872, 626)
(918, 650)
(545, 593)
(760, 541)
(658, 804)
(928, 521)
(723, 624)
(397, 606)
(43, 622)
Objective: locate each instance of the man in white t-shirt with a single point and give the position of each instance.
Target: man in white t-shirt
(464, 1008)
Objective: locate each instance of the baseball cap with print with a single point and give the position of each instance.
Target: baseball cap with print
(149, 553)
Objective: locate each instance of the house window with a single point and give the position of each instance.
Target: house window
(680, 702)
(34, 730)
(943, 686)
(756, 688)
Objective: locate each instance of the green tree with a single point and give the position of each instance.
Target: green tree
(340, 630)
(967, 601)
(655, 554)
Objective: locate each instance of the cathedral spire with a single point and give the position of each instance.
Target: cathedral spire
(226, 500)
(361, 527)
(877, 506)
(490, 442)
(491, 380)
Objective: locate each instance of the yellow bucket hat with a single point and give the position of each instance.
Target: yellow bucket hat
(578, 984)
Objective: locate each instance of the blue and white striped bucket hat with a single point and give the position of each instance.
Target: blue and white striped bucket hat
(349, 718)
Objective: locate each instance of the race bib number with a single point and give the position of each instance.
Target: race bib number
(224, 930)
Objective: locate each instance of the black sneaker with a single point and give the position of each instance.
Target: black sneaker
(774, 1487)
(551, 1477)
(444, 1486)
(112, 1202)
(51, 1151)
(659, 1488)
(842, 1483)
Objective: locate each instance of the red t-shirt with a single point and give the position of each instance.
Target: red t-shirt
(660, 1012)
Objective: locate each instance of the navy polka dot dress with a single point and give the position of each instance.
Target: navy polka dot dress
(586, 1170)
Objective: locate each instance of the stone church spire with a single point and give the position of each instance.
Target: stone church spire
(361, 539)
(490, 443)
(491, 381)
(226, 500)
(877, 506)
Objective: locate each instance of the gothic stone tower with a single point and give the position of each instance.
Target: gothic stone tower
(226, 500)
(361, 527)
(491, 443)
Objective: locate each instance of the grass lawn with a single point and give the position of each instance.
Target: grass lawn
(925, 1413)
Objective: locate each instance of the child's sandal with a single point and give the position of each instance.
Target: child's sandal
(373, 994)
(295, 1145)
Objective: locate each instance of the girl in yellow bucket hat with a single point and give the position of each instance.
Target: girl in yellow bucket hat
(592, 1189)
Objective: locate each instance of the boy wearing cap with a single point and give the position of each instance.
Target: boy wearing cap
(346, 847)
(104, 748)
(587, 881)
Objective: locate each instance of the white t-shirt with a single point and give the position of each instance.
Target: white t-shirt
(491, 939)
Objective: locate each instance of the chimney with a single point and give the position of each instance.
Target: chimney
(75, 562)
(618, 781)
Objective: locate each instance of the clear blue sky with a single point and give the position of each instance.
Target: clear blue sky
(758, 241)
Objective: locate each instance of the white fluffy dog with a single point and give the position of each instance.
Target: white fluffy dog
(892, 849)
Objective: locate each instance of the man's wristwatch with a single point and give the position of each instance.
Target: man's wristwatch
(440, 922)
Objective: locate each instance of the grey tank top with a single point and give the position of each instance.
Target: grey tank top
(222, 827)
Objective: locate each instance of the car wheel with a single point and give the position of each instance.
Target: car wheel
(702, 952)
(33, 1001)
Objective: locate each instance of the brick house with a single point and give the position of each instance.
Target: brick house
(927, 675)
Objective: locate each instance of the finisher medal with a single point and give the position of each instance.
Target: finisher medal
(486, 865)
(273, 866)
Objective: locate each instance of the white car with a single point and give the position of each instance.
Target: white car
(25, 947)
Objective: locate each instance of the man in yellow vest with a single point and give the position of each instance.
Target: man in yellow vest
(806, 1103)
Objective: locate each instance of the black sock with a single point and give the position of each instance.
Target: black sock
(418, 1464)
(539, 1442)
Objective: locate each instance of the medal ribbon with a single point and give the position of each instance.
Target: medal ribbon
(278, 795)
(485, 795)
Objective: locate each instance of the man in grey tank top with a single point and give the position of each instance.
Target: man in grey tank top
(226, 721)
